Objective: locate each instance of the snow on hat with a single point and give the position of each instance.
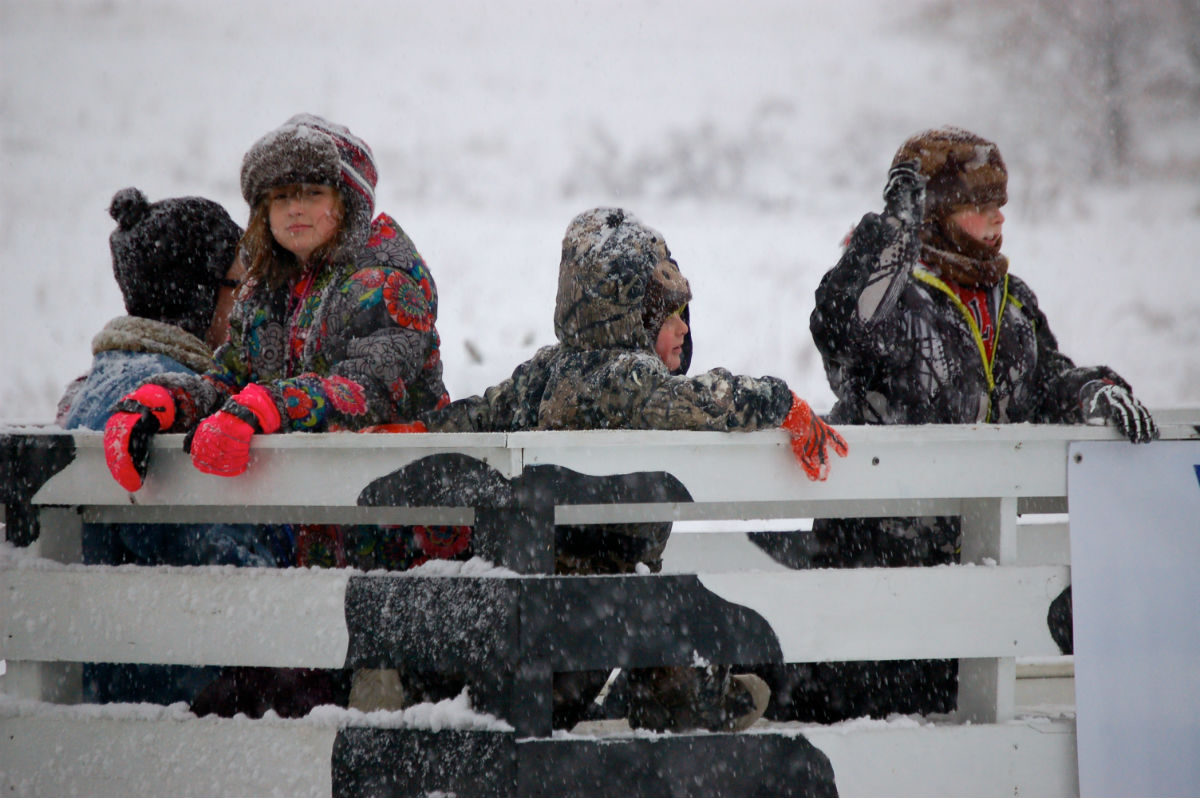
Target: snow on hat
(601, 234)
(963, 169)
(610, 260)
(309, 149)
(169, 257)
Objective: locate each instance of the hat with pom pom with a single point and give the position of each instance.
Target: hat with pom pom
(309, 149)
(170, 257)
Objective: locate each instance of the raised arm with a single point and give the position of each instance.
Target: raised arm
(857, 298)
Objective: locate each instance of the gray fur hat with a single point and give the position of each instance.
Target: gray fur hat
(309, 149)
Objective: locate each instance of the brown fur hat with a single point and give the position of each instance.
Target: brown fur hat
(964, 169)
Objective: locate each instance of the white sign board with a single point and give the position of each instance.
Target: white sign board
(1135, 569)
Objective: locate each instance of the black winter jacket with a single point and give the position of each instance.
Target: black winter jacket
(899, 347)
(921, 360)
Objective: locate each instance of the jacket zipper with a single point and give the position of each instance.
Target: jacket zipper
(928, 278)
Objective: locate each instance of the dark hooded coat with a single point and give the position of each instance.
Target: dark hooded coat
(900, 347)
(604, 374)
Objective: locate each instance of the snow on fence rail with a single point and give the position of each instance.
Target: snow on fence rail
(512, 626)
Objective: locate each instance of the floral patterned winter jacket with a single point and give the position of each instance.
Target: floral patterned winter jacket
(352, 345)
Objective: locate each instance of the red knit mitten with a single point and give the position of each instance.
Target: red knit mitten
(128, 431)
(221, 444)
(811, 438)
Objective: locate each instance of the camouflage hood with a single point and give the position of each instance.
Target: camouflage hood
(609, 259)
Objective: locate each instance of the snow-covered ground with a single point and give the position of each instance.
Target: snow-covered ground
(753, 134)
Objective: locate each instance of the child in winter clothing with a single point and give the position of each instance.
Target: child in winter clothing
(618, 287)
(170, 259)
(921, 322)
(333, 328)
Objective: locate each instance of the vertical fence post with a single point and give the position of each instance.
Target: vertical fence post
(59, 538)
(521, 537)
(987, 687)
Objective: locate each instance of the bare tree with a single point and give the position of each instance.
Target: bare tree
(1111, 36)
(1098, 73)
(1190, 19)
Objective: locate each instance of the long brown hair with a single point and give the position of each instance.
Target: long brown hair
(269, 263)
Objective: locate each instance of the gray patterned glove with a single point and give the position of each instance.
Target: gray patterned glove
(904, 194)
(1105, 401)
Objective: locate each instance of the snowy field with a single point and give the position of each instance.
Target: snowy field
(752, 134)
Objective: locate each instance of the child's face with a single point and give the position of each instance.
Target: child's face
(303, 217)
(981, 223)
(669, 344)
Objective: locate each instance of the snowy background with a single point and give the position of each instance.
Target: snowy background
(752, 134)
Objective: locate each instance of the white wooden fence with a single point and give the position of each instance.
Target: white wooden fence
(989, 612)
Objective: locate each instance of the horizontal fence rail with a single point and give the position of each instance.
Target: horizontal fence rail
(298, 618)
(720, 599)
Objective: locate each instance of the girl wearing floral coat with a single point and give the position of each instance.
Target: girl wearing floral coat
(333, 328)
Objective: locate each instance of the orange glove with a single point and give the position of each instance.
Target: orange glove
(405, 426)
(811, 438)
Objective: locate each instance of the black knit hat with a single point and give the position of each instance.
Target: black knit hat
(309, 149)
(170, 257)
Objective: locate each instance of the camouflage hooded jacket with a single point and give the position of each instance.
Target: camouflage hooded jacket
(603, 373)
(358, 347)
